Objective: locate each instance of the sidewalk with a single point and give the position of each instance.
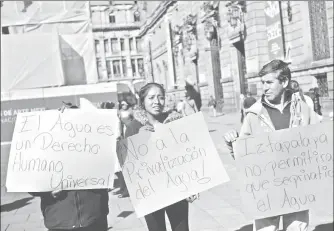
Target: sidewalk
(218, 209)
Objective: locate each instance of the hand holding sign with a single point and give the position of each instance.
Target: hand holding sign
(176, 162)
(51, 150)
(286, 171)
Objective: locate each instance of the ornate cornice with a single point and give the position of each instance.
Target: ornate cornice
(210, 17)
(155, 16)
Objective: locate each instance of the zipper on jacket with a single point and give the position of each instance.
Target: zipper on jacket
(77, 203)
(265, 120)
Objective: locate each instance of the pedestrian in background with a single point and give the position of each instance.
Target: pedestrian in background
(152, 101)
(212, 105)
(241, 106)
(179, 106)
(126, 116)
(189, 105)
(277, 109)
(74, 210)
(315, 96)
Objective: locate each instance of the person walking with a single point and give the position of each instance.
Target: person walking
(242, 98)
(277, 109)
(315, 96)
(126, 115)
(189, 105)
(74, 210)
(212, 105)
(152, 102)
(179, 106)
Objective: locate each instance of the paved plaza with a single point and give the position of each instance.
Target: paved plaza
(218, 209)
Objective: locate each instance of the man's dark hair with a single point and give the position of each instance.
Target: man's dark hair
(276, 65)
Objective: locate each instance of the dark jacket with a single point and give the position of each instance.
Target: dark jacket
(73, 209)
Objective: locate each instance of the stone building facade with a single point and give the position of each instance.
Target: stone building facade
(118, 48)
(220, 46)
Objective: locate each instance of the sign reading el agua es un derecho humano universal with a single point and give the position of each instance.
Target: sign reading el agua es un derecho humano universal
(71, 150)
(286, 171)
(176, 161)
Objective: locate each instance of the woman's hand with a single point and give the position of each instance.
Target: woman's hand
(172, 116)
(193, 198)
(146, 128)
(57, 193)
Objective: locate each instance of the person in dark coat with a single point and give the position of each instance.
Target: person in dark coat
(77, 210)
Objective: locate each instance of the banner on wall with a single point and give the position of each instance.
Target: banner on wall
(275, 34)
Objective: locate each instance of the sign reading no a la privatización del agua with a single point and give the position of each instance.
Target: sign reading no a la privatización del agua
(176, 161)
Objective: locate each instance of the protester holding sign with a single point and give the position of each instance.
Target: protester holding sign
(79, 210)
(277, 109)
(152, 102)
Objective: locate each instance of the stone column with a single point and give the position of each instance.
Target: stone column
(103, 60)
(170, 61)
(128, 57)
(135, 44)
(147, 58)
(136, 67)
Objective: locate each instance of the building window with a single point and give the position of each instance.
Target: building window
(106, 46)
(131, 44)
(99, 68)
(116, 68)
(125, 73)
(139, 44)
(109, 68)
(114, 45)
(141, 67)
(122, 44)
(5, 30)
(133, 67)
(136, 16)
(97, 47)
(112, 18)
(319, 30)
(323, 85)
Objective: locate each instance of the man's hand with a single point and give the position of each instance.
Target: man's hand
(230, 137)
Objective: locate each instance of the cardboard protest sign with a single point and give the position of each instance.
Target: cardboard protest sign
(71, 150)
(85, 104)
(176, 161)
(286, 171)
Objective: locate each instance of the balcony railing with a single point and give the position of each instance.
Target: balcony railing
(117, 26)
